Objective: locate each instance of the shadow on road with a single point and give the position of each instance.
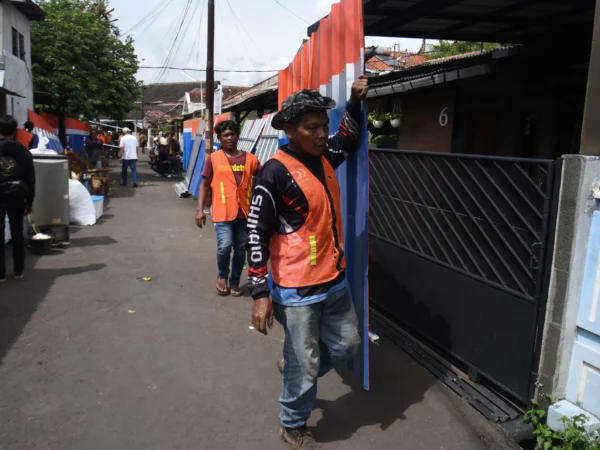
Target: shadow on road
(397, 382)
(20, 299)
(92, 241)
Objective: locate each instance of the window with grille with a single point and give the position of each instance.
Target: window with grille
(22, 47)
(15, 42)
(18, 44)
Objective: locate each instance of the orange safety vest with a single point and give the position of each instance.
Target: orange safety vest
(24, 137)
(228, 197)
(313, 254)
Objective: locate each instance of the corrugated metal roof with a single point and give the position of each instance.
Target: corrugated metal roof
(435, 67)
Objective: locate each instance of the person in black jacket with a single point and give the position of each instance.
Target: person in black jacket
(17, 191)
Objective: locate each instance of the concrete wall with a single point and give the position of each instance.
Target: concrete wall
(575, 212)
(18, 75)
(570, 366)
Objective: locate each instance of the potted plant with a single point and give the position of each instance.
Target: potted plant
(385, 141)
(377, 119)
(395, 119)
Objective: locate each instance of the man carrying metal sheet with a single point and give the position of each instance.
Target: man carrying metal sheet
(295, 222)
(230, 173)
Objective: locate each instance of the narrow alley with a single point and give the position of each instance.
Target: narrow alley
(94, 357)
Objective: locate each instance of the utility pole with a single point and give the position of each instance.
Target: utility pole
(210, 76)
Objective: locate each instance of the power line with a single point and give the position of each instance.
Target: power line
(242, 25)
(169, 56)
(152, 14)
(291, 12)
(204, 70)
(196, 43)
(227, 34)
(143, 19)
(187, 29)
(151, 19)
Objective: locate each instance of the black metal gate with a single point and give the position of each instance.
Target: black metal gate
(457, 247)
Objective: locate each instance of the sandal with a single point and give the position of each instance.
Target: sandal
(236, 291)
(223, 291)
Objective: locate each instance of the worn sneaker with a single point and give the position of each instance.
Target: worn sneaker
(18, 276)
(2, 280)
(135, 185)
(299, 438)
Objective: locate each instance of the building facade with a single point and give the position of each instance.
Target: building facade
(16, 78)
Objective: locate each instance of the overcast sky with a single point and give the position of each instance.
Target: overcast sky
(257, 35)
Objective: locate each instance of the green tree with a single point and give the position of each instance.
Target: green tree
(78, 57)
(451, 48)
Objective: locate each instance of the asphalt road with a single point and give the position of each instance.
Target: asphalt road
(92, 357)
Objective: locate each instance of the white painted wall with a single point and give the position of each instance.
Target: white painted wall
(18, 75)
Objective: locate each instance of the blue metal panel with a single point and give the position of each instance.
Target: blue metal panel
(357, 238)
(589, 309)
(353, 177)
(583, 386)
(198, 168)
(188, 143)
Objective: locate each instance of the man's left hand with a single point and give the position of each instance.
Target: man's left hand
(360, 88)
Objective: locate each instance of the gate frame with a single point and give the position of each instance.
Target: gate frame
(545, 255)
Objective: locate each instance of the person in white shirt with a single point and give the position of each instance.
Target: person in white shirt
(129, 155)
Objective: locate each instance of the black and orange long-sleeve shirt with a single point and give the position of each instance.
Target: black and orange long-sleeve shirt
(283, 208)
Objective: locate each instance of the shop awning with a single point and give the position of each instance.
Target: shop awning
(261, 96)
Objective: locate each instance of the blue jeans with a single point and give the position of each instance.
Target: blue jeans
(317, 338)
(231, 236)
(129, 163)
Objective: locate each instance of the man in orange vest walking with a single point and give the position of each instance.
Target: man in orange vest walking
(229, 172)
(295, 221)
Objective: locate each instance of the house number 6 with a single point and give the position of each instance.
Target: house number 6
(444, 117)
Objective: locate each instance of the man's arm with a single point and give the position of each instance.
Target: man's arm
(263, 223)
(202, 198)
(346, 139)
(207, 176)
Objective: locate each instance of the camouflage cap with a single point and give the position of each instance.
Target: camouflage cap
(299, 103)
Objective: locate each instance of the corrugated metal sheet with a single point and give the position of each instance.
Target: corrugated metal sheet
(245, 135)
(250, 134)
(330, 61)
(268, 143)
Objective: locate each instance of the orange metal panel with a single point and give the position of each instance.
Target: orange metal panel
(324, 46)
(337, 39)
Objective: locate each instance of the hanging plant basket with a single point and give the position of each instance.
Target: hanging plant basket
(396, 115)
(377, 117)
